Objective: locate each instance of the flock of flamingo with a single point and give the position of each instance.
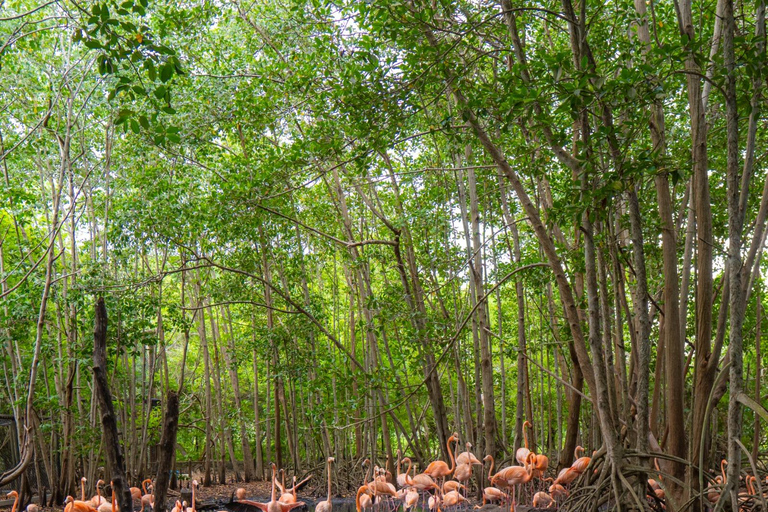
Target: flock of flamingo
(438, 487)
(442, 492)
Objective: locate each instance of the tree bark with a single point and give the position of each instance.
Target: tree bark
(167, 450)
(115, 461)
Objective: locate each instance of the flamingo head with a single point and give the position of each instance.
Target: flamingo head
(331, 459)
(487, 457)
(12, 494)
(99, 483)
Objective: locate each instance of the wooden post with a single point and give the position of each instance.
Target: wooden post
(167, 449)
(115, 461)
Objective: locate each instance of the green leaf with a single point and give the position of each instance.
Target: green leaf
(151, 71)
(144, 122)
(135, 126)
(166, 72)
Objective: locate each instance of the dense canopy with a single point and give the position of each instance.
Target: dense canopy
(353, 228)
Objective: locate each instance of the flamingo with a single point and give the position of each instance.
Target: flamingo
(176, 508)
(540, 465)
(746, 497)
(15, 496)
(273, 505)
(379, 485)
(522, 453)
(542, 500)
(452, 485)
(98, 500)
(581, 463)
(327, 505)
(513, 476)
(463, 472)
(558, 492)
(287, 496)
(467, 457)
(492, 493)
(32, 508)
(111, 507)
(434, 502)
(147, 500)
(567, 476)
(411, 498)
(439, 469)
(402, 477)
(135, 493)
(452, 498)
(193, 508)
(422, 481)
(363, 498)
(657, 490)
(73, 505)
(713, 489)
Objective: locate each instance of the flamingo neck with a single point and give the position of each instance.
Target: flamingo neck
(113, 498)
(450, 454)
(408, 470)
(329, 481)
(15, 503)
(82, 489)
(273, 484)
(194, 486)
(525, 434)
(490, 471)
(357, 497)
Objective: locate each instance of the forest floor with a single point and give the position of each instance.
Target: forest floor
(215, 496)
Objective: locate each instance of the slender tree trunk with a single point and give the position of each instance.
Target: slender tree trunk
(167, 449)
(201, 332)
(257, 422)
(735, 226)
(758, 369)
(234, 380)
(115, 461)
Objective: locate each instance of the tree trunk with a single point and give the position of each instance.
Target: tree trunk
(115, 462)
(234, 380)
(167, 450)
